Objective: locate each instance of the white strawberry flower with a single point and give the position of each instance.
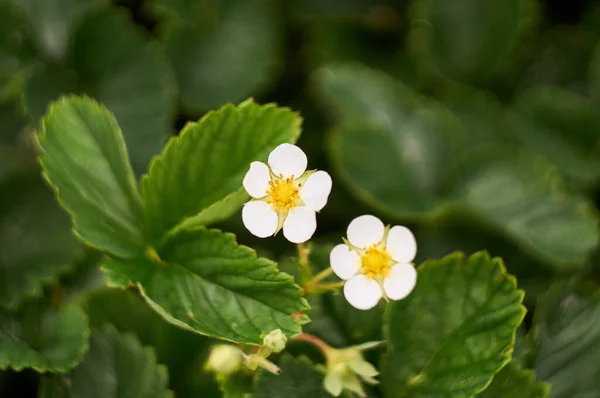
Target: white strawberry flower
(285, 195)
(375, 261)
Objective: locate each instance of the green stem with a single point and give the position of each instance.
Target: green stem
(304, 263)
(321, 275)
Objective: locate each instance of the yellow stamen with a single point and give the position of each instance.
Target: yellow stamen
(283, 193)
(376, 261)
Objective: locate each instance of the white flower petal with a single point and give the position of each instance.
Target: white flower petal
(316, 190)
(400, 281)
(344, 262)
(362, 293)
(259, 218)
(288, 159)
(300, 224)
(365, 230)
(256, 180)
(401, 244)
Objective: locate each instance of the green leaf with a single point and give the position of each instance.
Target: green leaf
(392, 147)
(15, 45)
(238, 385)
(207, 283)
(455, 330)
(85, 159)
(115, 366)
(512, 381)
(483, 115)
(594, 74)
(42, 338)
(567, 329)
(468, 40)
(114, 62)
(520, 195)
(182, 351)
(298, 379)
(221, 51)
(52, 21)
(563, 127)
(198, 177)
(36, 242)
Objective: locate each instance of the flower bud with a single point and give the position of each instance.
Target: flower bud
(345, 369)
(275, 341)
(224, 360)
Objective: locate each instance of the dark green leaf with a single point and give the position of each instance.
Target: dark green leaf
(512, 381)
(298, 379)
(222, 51)
(36, 242)
(207, 283)
(467, 40)
(198, 177)
(454, 331)
(393, 146)
(521, 195)
(567, 329)
(116, 366)
(110, 60)
(45, 339)
(238, 385)
(15, 46)
(594, 74)
(85, 159)
(182, 351)
(52, 21)
(563, 127)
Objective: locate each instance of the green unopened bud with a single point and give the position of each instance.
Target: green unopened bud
(275, 341)
(224, 360)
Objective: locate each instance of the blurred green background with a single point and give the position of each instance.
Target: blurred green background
(474, 122)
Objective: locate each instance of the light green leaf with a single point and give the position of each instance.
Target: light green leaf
(563, 127)
(392, 147)
(522, 196)
(36, 242)
(207, 283)
(454, 331)
(198, 177)
(512, 381)
(467, 40)
(45, 339)
(298, 379)
(110, 60)
(85, 159)
(115, 366)
(567, 329)
(221, 51)
(182, 351)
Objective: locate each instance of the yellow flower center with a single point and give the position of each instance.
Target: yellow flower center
(283, 193)
(376, 261)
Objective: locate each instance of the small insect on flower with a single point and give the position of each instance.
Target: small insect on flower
(285, 195)
(375, 261)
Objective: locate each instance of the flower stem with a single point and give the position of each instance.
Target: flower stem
(317, 342)
(320, 288)
(304, 262)
(321, 275)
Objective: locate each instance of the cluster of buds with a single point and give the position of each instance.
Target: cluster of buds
(227, 359)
